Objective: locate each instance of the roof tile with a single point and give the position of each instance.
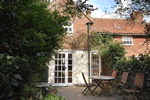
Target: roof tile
(120, 26)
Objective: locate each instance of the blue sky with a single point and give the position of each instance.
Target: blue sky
(102, 4)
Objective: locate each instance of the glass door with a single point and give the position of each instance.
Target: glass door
(95, 65)
(63, 69)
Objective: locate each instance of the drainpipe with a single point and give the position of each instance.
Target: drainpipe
(89, 47)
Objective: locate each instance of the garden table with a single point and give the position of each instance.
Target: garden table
(99, 81)
(43, 85)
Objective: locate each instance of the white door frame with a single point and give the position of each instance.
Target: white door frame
(66, 70)
(95, 53)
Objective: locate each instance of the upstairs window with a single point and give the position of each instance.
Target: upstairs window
(127, 40)
(69, 27)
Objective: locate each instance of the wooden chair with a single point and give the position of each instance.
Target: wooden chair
(88, 86)
(107, 83)
(122, 84)
(137, 87)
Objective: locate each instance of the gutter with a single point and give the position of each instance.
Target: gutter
(120, 34)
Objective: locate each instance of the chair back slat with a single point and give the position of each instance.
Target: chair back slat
(124, 77)
(139, 79)
(114, 73)
(84, 78)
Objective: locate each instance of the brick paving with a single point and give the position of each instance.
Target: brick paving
(75, 93)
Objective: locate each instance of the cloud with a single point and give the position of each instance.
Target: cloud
(99, 14)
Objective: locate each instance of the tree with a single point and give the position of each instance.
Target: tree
(29, 34)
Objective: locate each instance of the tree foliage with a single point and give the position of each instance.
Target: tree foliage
(110, 51)
(134, 5)
(29, 33)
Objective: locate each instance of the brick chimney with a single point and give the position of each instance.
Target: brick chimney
(137, 16)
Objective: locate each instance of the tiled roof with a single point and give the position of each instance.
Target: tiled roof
(117, 26)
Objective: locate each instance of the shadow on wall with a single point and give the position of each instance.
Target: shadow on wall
(80, 64)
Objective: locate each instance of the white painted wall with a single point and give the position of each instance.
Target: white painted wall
(80, 64)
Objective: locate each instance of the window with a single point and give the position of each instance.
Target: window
(127, 40)
(95, 65)
(69, 27)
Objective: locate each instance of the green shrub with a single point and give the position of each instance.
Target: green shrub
(113, 54)
(136, 65)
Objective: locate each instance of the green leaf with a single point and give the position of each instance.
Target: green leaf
(1, 55)
(14, 82)
(6, 79)
(1, 6)
(9, 57)
(10, 93)
(18, 76)
(24, 59)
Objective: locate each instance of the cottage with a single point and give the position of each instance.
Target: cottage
(72, 59)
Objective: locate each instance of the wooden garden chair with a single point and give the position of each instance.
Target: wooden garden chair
(107, 83)
(122, 84)
(137, 87)
(88, 86)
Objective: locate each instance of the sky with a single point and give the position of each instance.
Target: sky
(104, 5)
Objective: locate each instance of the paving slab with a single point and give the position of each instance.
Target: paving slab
(75, 93)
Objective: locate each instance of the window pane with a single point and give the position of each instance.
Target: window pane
(69, 80)
(69, 73)
(55, 68)
(69, 61)
(55, 74)
(130, 42)
(59, 67)
(124, 42)
(63, 80)
(70, 29)
(69, 23)
(59, 80)
(66, 29)
(59, 55)
(59, 74)
(69, 67)
(63, 74)
(55, 80)
(69, 55)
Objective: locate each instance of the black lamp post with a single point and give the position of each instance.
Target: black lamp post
(89, 47)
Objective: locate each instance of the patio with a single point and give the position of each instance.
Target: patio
(75, 93)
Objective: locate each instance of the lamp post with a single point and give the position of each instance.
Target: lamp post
(89, 47)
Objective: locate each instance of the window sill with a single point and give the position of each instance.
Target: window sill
(127, 44)
(69, 33)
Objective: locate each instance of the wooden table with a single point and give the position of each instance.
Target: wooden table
(99, 81)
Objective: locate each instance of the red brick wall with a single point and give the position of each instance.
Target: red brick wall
(137, 48)
(77, 39)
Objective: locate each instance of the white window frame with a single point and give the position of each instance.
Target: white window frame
(69, 27)
(127, 38)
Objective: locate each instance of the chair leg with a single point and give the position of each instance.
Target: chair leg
(124, 95)
(84, 90)
(134, 95)
(116, 90)
(88, 90)
(91, 91)
(143, 96)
